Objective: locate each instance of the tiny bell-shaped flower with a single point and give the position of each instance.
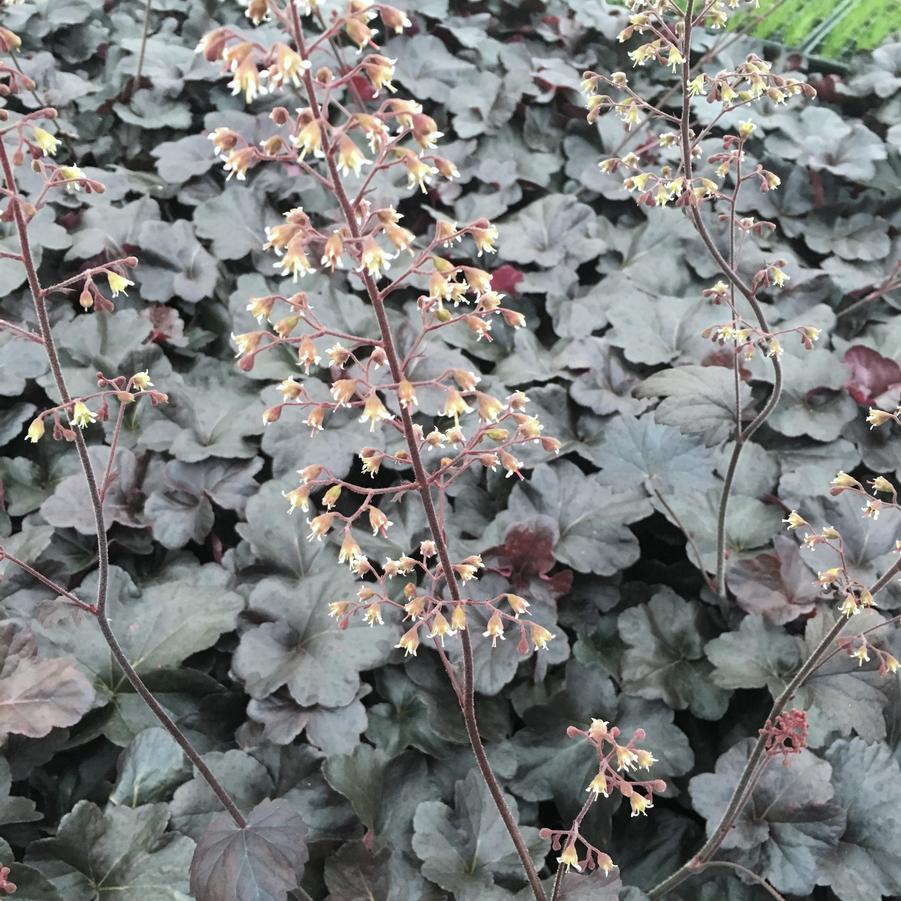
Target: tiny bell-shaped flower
(141, 380)
(876, 418)
(81, 415)
(882, 484)
(320, 525)
(540, 636)
(409, 641)
(45, 141)
(794, 520)
(639, 804)
(458, 618)
(440, 627)
(374, 411)
(842, 481)
(597, 731)
(35, 431)
(598, 785)
(494, 629)
(378, 521)
(569, 857)
(298, 497)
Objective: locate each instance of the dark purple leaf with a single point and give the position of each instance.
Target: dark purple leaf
(872, 375)
(261, 862)
(777, 584)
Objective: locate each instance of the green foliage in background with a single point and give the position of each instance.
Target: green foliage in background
(830, 28)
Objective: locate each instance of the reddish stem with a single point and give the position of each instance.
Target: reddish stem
(422, 484)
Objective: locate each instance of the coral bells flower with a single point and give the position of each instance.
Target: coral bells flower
(484, 234)
(418, 172)
(331, 254)
(517, 604)
(880, 483)
(511, 464)
(468, 569)
(598, 785)
(374, 411)
(9, 41)
(141, 380)
(309, 139)
(295, 261)
(409, 641)
(626, 758)
(380, 70)
(440, 627)
(72, 176)
(494, 629)
(378, 521)
(81, 415)
(794, 520)
(350, 159)
(394, 19)
(320, 525)
(639, 804)
(454, 405)
(597, 731)
(350, 551)
(371, 460)
(298, 497)
(842, 481)
(248, 80)
(458, 618)
(540, 636)
(288, 66)
(373, 259)
(45, 141)
(569, 857)
(876, 418)
(118, 283)
(35, 431)
(239, 161)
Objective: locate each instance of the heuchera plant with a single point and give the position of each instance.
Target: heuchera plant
(674, 165)
(354, 149)
(351, 139)
(73, 415)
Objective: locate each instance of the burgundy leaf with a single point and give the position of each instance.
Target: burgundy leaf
(505, 279)
(528, 553)
(777, 584)
(872, 375)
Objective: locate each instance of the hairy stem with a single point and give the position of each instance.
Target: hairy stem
(729, 476)
(422, 481)
(746, 780)
(99, 610)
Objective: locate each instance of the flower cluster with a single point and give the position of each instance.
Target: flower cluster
(443, 423)
(852, 595)
(29, 139)
(786, 734)
(616, 763)
(873, 506)
(78, 413)
(674, 148)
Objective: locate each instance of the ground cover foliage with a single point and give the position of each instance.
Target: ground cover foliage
(338, 744)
